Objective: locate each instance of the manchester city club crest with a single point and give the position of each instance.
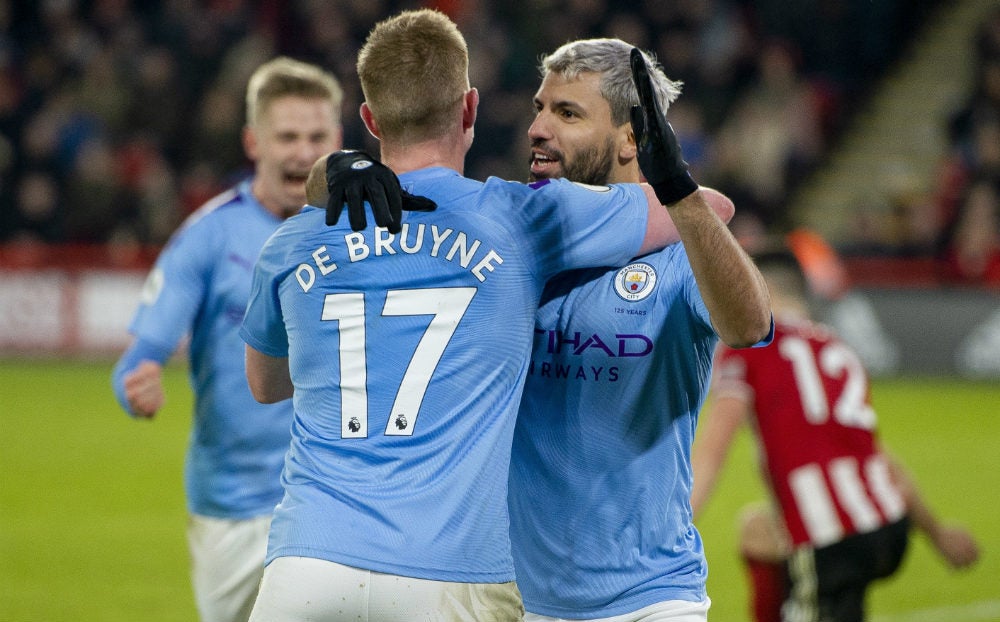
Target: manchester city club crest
(635, 281)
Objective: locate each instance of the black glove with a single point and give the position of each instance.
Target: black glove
(658, 152)
(353, 177)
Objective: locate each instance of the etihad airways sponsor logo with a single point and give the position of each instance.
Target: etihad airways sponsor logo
(577, 343)
(563, 371)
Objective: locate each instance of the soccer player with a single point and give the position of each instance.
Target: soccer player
(199, 288)
(406, 354)
(846, 507)
(600, 476)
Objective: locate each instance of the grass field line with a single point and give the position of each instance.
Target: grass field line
(972, 612)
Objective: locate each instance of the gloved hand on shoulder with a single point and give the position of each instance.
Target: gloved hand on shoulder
(353, 177)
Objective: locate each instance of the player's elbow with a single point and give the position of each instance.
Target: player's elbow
(269, 389)
(262, 394)
(751, 330)
(721, 204)
(267, 377)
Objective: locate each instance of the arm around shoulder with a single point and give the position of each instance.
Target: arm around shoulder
(660, 228)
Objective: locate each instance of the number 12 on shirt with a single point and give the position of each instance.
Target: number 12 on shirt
(446, 305)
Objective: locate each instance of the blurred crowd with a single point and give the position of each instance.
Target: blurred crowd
(119, 117)
(968, 200)
(946, 227)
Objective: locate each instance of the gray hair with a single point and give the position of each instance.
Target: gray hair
(610, 59)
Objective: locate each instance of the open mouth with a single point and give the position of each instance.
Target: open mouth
(295, 178)
(543, 164)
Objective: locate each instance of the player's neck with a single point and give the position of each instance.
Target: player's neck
(625, 173)
(445, 152)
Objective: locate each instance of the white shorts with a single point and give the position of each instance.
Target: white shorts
(227, 562)
(667, 611)
(296, 589)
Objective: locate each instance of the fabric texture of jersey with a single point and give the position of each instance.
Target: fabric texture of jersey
(833, 481)
(600, 480)
(199, 289)
(404, 471)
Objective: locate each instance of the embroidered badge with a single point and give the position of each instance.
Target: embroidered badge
(635, 281)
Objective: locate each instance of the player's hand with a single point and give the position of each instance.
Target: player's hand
(957, 546)
(144, 389)
(658, 151)
(354, 177)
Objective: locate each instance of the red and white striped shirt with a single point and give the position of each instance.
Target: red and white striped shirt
(816, 431)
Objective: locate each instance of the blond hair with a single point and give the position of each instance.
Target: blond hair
(414, 71)
(317, 193)
(283, 77)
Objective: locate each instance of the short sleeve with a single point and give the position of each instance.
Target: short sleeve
(263, 326)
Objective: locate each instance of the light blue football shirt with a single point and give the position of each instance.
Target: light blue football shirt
(600, 476)
(408, 354)
(199, 288)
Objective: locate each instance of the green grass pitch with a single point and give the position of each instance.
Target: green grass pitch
(92, 513)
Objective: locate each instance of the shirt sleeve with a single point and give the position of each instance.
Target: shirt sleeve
(263, 326)
(580, 226)
(176, 287)
(140, 350)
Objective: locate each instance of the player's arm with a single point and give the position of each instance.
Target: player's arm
(730, 284)
(954, 543)
(717, 427)
(263, 330)
(268, 377)
(137, 378)
(171, 297)
(660, 228)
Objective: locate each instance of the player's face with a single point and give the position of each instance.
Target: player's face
(572, 135)
(289, 137)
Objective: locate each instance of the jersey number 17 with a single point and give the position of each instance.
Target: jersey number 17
(446, 305)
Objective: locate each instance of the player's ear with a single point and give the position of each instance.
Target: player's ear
(625, 139)
(470, 108)
(249, 139)
(369, 121)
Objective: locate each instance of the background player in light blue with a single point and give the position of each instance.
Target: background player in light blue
(600, 478)
(199, 288)
(406, 354)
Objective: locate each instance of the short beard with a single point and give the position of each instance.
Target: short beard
(592, 166)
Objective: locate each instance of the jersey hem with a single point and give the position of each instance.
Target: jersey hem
(615, 607)
(394, 569)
